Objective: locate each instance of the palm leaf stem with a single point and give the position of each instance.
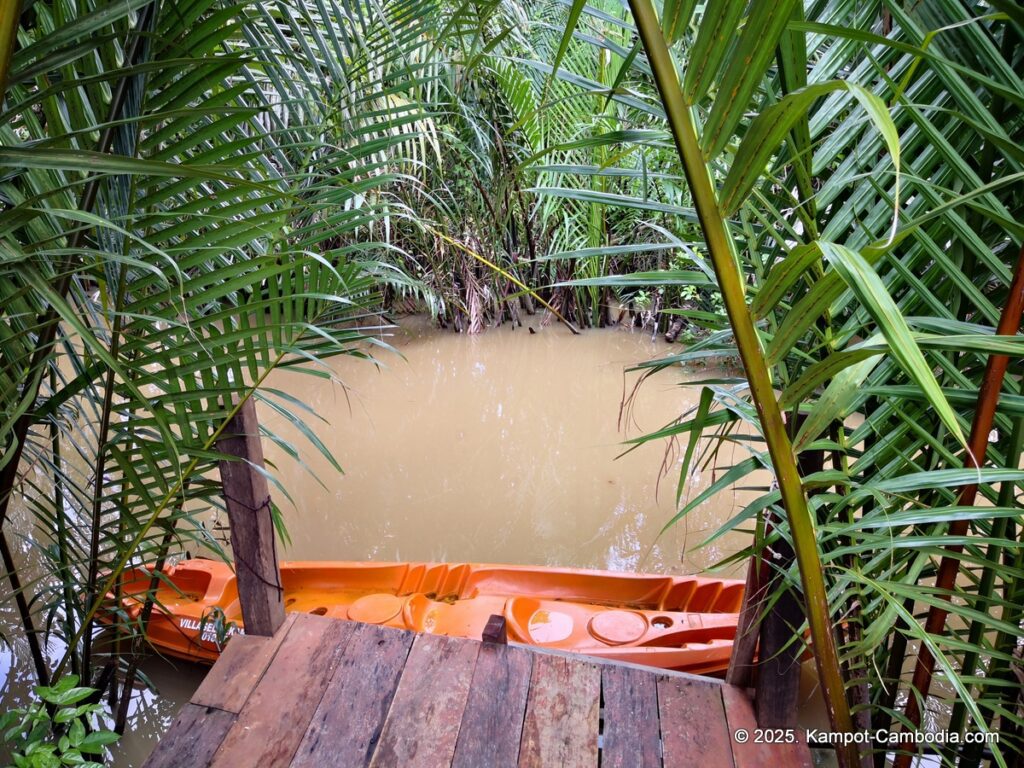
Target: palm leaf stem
(10, 12)
(121, 718)
(24, 611)
(110, 385)
(949, 566)
(60, 516)
(721, 249)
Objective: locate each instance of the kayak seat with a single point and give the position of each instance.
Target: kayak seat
(517, 617)
(527, 621)
(377, 608)
(416, 611)
(618, 627)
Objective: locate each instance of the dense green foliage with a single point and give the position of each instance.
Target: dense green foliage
(872, 199)
(190, 204)
(198, 193)
(59, 729)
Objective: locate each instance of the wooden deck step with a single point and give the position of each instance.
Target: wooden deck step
(324, 692)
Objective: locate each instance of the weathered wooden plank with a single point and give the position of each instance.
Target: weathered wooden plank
(694, 729)
(598, 661)
(422, 727)
(272, 722)
(739, 713)
(631, 735)
(346, 726)
(562, 714)
(493, 720)
(240, 667)
(193, 738)
(247, 498)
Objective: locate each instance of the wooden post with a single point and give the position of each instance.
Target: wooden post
(247, 497)
(744, 647)
(776, 675)
(778, 667)
(496, 630)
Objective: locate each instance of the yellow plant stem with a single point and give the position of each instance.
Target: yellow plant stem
(720, 246)
(10, 12)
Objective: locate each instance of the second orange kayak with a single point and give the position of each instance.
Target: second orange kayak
(673, 622)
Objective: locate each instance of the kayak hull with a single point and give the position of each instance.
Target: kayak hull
(673, 622)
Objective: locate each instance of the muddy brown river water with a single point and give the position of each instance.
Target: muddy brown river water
(504, 447)
(494, 448)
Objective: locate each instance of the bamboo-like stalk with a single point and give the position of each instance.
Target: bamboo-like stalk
(10, 12)
(949, 566)
(24, 611)
(60, 519)
(721, 248)
(121, 716)
(101, 462)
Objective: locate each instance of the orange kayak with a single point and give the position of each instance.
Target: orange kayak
(673, 622)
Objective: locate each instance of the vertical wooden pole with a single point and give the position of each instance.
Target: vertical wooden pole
(744, 647)
(768, 630)
(778, 668)
(252, 530)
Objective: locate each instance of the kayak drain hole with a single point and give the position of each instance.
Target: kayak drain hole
(662, 622)
(319, 611)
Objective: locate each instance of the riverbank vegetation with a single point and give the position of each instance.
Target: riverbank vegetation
(197, 194)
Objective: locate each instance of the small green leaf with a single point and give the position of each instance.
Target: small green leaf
(676, 18)
(76, 733)
(870, 290)
(782, 276)
(834, 401)
(64, 716)
(570, 27)
(94, 742)
(717, 27)
(71, 696)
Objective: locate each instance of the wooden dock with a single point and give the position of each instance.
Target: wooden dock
(329, 693)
